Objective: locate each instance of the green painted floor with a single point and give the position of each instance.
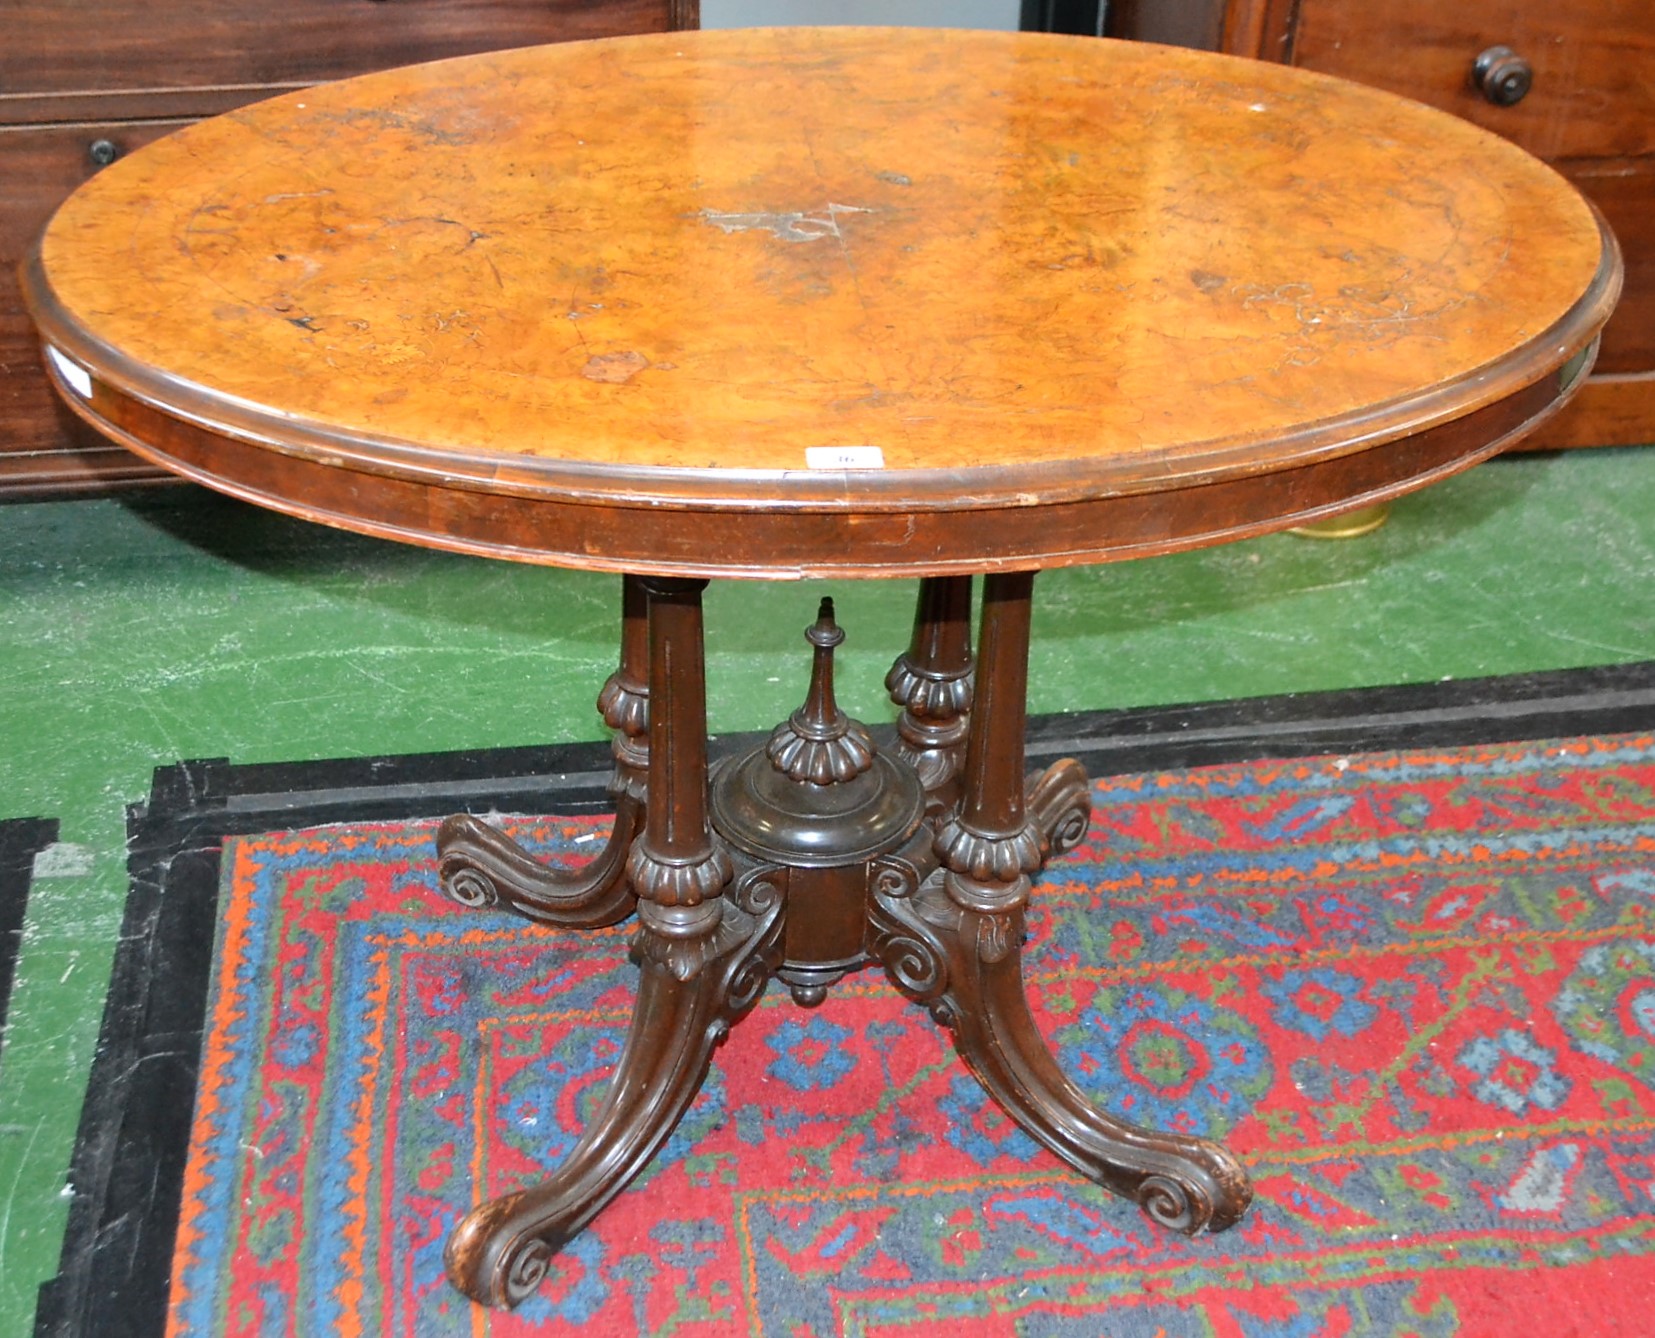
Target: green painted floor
(170, 625)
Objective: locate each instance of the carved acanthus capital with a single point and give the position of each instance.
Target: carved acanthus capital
(929, 694)
(682, 940)
(624, 705)
(677, 882)
(988, 858)
(841, 757)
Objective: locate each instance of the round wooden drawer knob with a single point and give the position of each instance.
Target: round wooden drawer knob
(1502, 76)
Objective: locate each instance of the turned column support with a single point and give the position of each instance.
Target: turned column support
(704, 959)
(678, 869)
(932, 683)
(989, 847)
(624, 699)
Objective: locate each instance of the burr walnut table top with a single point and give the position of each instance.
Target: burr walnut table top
(861, 301)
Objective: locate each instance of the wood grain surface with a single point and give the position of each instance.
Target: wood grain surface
(610, 288)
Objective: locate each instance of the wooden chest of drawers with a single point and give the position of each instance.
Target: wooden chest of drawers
(1573, 83)
(84, 81)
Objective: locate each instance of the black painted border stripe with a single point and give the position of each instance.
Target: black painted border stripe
(21, 839)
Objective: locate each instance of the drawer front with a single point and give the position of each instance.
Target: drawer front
(79, 46)
(1591, 64)
(40, 167)
(1625, 191)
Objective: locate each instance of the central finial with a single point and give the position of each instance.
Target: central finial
(819, 743)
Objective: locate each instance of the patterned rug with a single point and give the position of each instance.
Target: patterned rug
(1414, 992)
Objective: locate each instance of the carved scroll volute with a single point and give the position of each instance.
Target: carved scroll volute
(906, 944)
(480, 866)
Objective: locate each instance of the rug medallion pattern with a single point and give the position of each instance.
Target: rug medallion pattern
(1415, 992)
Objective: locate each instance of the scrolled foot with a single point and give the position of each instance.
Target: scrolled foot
(494, 1260)
(481, 866)
(1201, 1187)
(1172, 1205)
(1059, 805)
(502, 1249)
(932, 949)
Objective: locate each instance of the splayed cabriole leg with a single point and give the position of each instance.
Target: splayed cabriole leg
(480, 866)
(938, 952)
(501, 1250)
(705, 950)
(955, 943)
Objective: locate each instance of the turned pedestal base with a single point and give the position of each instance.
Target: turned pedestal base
(811, 857)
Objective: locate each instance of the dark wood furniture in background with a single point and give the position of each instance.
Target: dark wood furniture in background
(83, 82)
(1574, 83)
(980, 302)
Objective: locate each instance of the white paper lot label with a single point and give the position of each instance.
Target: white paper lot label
(844, 457)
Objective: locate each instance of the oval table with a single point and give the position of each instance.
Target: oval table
(837, 302)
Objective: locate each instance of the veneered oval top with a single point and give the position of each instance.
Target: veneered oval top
(860, 271)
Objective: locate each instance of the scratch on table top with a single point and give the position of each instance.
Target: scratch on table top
(802, 226)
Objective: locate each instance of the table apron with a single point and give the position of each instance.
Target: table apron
(713, 540)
